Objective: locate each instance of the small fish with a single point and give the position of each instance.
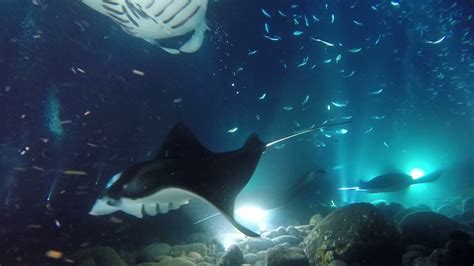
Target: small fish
(305, 101)
(305, 61)
(342, 131)
(376, 92)
(287, 108)
(327, 61)
(358, 23)
(266, 14)
(281, 13)
(378, 117)
(349, 117)
(323, 42)
(316, 18)
(340, 104)
(332, 18)
(378, 39)
(274, 38)
(279, 147)
(437, 41)
(262, 97)
(354, 50)
(233, 130)
(338, 167)
(350, 75)
(395, 3)
(297, 33)
(253, 52)
(138, 72)
(385, 143)
(369, 130)
(338, 58)
(306, 22)
(329, 107)
(267, 28)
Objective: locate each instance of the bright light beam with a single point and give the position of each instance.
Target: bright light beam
(417, 173)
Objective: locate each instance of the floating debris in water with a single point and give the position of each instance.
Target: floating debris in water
(38, 168)
(54, 254)
(138, 72)
(74, 172)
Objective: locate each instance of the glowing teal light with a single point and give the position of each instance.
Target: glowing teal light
(417, 173)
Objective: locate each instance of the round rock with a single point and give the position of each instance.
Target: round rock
(357, 234)
(430, 229)
(282, 256)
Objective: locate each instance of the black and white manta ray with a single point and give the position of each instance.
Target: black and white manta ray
(154, 20)
(182, 170)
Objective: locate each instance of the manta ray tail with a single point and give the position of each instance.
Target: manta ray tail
(305, 132)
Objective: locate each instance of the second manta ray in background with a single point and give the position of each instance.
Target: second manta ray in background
(154, 20)
(392, 182)
(184, 169)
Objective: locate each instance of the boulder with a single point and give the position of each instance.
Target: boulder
(467, 216)
(430, 229)
(448, 210)
(286, 239)
(250, 258)
(98, 256)
(256, 244)
(315, 219)
(390, 210)
(180, 250)
(409, 257)
(233, 256)
(337, 263)
(468, 204)
(152, 252)
(283, 256)
(357, 234)
(175, 262)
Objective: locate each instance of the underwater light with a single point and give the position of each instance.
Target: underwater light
(417, 173)
(251, 215)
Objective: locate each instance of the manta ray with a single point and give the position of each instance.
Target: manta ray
(184, 169)
(154, 20)
(392, 182)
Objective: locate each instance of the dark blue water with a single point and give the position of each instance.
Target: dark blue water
(54, 117)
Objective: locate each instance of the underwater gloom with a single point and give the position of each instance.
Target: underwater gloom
(236, 133)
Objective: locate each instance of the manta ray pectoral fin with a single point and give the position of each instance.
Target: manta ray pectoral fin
(101, 207)
(195, 42)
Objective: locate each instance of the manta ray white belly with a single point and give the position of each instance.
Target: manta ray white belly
(154, 20)
(160, 202)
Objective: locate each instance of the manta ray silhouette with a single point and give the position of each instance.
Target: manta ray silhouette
(182, 170)
(393, 182)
